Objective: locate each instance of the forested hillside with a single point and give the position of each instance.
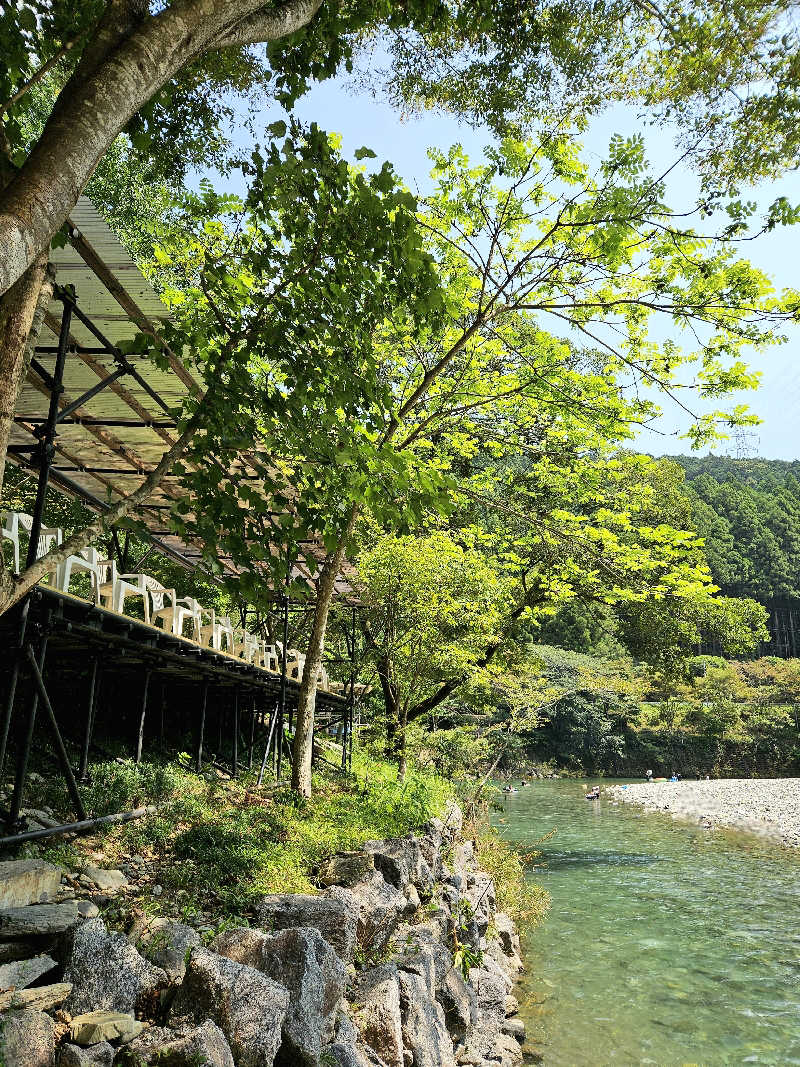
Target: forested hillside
(748, 511)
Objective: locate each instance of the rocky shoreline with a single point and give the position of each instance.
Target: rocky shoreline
(768, 807)
(402, 960)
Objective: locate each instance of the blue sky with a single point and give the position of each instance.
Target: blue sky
(364, 119)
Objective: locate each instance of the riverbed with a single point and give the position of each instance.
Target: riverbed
(666, 943)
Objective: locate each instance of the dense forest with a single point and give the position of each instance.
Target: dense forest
(748, 511)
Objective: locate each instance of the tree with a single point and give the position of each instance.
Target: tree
(433, 609)
(162, 72)
(401, 386)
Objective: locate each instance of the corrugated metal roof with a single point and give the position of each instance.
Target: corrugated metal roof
(114, 439)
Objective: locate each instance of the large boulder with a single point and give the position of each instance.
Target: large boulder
(459, 1003)
(25, 882)
(22, 973)
(247, 1006)
(165, 943)
(335, 915)
(190, 1047)
(302, 961)
(37, 920)
(27, 1039)
(430, 843)
(507, 933)
(348, 1050)
(490, 993)
(375, 1004)
(480, 894)
(381, 906)
(346, 868)
(452, 821)
(424, 1030)
(401, 861)
(107, 972)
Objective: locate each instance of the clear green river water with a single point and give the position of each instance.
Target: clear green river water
(665, 944)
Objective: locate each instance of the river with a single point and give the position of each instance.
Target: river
(665, 944)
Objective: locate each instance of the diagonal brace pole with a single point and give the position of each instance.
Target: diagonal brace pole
(59, 741)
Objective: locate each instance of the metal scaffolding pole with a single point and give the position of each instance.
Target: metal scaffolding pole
(282, 698)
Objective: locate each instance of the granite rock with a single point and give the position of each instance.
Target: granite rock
(108, 972)
(247, 1006)
(27, 1039)
(335, 915)
(24, 882)
(165, 943)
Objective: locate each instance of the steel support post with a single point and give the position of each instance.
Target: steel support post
(48, 434)
(235, 760)
(87, 736)
(352, 701)
(12, 685)
(140, 734)
(282, 701)
(25, 747)
(252, 734)
(59, 741)
(201, 728)
(272, 723)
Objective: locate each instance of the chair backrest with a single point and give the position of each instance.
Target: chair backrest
(48, 536)
(108, 570)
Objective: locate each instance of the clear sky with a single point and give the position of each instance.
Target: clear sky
(364, 119)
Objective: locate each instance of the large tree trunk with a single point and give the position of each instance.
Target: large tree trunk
(303, 748)
(22, 309)
(123, 67)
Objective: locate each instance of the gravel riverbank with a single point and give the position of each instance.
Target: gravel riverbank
(769, 807)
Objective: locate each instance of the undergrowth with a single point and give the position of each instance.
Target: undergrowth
(216, 845)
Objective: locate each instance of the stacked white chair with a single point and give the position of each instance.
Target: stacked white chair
(160, 605)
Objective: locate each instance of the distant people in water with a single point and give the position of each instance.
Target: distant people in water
(509, 789)
(594, 794)
(649, 775)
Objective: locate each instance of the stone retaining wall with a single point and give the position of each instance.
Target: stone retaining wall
(402, 960)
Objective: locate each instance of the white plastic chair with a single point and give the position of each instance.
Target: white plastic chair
(116, 588)
(85, 560)
(208, 625)
(173, 616)
(295, 662)
(15, 523)
(223, 628)
(9, 531)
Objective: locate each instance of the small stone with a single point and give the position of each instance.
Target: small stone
(88, 909)
(106, 880)
(514, 1027)
(25, 882)
(157, 890)
(95, 1026)
(37, 920)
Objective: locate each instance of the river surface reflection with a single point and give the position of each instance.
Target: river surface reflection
(666, 944)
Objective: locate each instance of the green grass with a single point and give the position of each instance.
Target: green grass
(216, 845)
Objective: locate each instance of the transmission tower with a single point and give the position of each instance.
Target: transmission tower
(744, 445)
